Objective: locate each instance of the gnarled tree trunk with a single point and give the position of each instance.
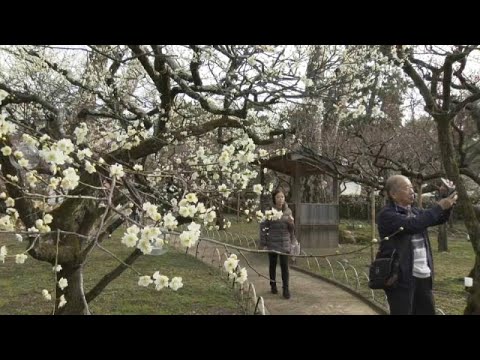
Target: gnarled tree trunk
(76, 302)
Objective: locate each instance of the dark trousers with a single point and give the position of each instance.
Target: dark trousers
(272, 258)
(415, 300)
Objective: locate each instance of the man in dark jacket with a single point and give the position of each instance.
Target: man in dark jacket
(403, 230)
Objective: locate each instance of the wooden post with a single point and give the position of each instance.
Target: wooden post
(372, 202)
(296, 194)
(335, 192)
(238, 207)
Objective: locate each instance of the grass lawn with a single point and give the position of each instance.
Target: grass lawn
(204, 291)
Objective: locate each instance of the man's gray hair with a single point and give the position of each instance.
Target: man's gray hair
(393, 183)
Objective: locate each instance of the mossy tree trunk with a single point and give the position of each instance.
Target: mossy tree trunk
(471, 221)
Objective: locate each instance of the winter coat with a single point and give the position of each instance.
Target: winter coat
(390, 219)
(278, 234)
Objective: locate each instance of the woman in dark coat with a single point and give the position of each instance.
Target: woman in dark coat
(278, 235)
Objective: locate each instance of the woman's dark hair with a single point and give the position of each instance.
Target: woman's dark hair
(274, 193)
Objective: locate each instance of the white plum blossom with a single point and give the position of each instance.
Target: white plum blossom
(224, 159)
(53, 156)
(257, 189)
(89, 167)
(170, 222)
(13, 213)
(270, 187)
(70, 179)
(19, 237)
(187, 211)
(44, 138)
(224, 190)
(262, 153)
(20, 258)
(189, 238)
(3, 94)
(66, 146)
(81, 133)
(57, 268)
(6, 223)
(18, 154)
(201, 152)
(276, 214)
(46, 295)
(62, 283)
(231, 263)
(145, 280)
(85, 152)
(23, 163)
(31, 178)
(6, 127)
(201, 208)
(161, 281)
(176, 283)
(211, 216)
(152, 211)
(241, 276)
(54, 181)
(129, 239)
(145, 246)
(10, 202)
(259, 215)
(47, 219)
(150, 233)
(41, 226)
(6, 150)
(134, 229)
(191, 197)
(116, 170)
(62, 302)
(159, 243)
(3, 253)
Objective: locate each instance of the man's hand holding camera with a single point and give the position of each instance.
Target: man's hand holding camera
(450, 200)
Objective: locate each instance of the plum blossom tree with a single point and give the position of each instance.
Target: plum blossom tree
(151, 136)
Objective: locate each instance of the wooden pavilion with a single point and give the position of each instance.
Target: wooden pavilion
(316, 223)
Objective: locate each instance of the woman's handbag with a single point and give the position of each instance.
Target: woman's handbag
(295, 248)
(383, 272)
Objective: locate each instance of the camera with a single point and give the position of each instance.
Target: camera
(446, 189)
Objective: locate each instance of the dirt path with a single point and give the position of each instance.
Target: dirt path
(309, 295)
